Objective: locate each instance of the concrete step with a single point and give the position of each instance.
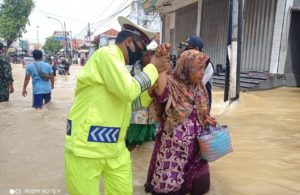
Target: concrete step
(251, 80)
(246, 82)
(218, 81)
(221, 83)
(242, 80)
(246, 76)
(248, 86)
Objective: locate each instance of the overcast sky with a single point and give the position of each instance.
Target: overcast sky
(76, 14)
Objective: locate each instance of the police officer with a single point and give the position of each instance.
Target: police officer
(100, 114)
(6, 79)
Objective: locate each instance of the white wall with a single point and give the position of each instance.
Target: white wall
(284, 37)
(278, 28)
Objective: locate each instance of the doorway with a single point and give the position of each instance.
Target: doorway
(292, 68)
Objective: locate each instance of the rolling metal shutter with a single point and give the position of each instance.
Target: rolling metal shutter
(259, 19)
(214, 29)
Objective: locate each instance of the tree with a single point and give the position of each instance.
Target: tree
(52, 46)
(14, 18)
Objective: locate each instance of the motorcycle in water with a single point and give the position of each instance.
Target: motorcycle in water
(64, 67)
(67, 68)
(61, 69)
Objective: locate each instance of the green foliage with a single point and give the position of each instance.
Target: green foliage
(13, 19)
(52, 46)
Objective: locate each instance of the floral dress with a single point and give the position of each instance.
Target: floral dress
(175, 164)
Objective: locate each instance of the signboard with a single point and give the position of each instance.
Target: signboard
(58, 38)
(60, 35)
(24, 44)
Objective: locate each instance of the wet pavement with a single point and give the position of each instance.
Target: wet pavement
(264, 126)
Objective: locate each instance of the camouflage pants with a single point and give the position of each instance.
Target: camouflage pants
(4, 98)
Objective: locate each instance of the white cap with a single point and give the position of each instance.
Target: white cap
(145, 34)
(152, 46)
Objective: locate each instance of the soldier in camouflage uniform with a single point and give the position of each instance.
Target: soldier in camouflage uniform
(6, 80)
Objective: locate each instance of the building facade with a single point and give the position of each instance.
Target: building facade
(270, 35)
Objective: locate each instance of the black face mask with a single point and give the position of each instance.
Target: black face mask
(134, 56)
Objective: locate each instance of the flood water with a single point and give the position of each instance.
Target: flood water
(264, 126)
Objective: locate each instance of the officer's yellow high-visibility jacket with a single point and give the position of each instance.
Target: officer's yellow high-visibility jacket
(100, 115)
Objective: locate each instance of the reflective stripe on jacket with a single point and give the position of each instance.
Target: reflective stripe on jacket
(100, 114)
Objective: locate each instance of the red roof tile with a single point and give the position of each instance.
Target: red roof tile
(111, 33)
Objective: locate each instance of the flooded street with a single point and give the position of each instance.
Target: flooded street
(265, 132)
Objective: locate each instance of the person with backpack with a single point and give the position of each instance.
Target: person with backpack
(42, 80)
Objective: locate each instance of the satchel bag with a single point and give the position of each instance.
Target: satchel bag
(43, 75)
(214, 142)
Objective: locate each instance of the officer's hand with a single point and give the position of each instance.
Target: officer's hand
(162, 49)
(161, 59)
(24, 93)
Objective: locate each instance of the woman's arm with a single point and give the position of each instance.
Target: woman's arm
(161, 83)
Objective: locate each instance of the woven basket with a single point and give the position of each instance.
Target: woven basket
(214, 142)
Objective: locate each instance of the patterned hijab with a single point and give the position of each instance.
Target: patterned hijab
(183, 94)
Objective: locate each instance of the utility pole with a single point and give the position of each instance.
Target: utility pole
(239, 46)
(138, 12)
(66, 40)
(89, 36)
(229, 41)
(135, 12)
(234, 44)
(37, 36)
(71, 46)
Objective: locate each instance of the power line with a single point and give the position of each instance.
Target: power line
(105, 10)
(105, 20)
(101, 22)
(48, 13)
(81, 32)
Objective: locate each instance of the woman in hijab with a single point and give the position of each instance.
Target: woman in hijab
(181, 104)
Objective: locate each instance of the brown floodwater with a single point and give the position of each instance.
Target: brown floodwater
(264, 126)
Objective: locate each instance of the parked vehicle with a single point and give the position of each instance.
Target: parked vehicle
(61, 69)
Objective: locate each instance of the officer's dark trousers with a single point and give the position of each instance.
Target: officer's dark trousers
(4, 98)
